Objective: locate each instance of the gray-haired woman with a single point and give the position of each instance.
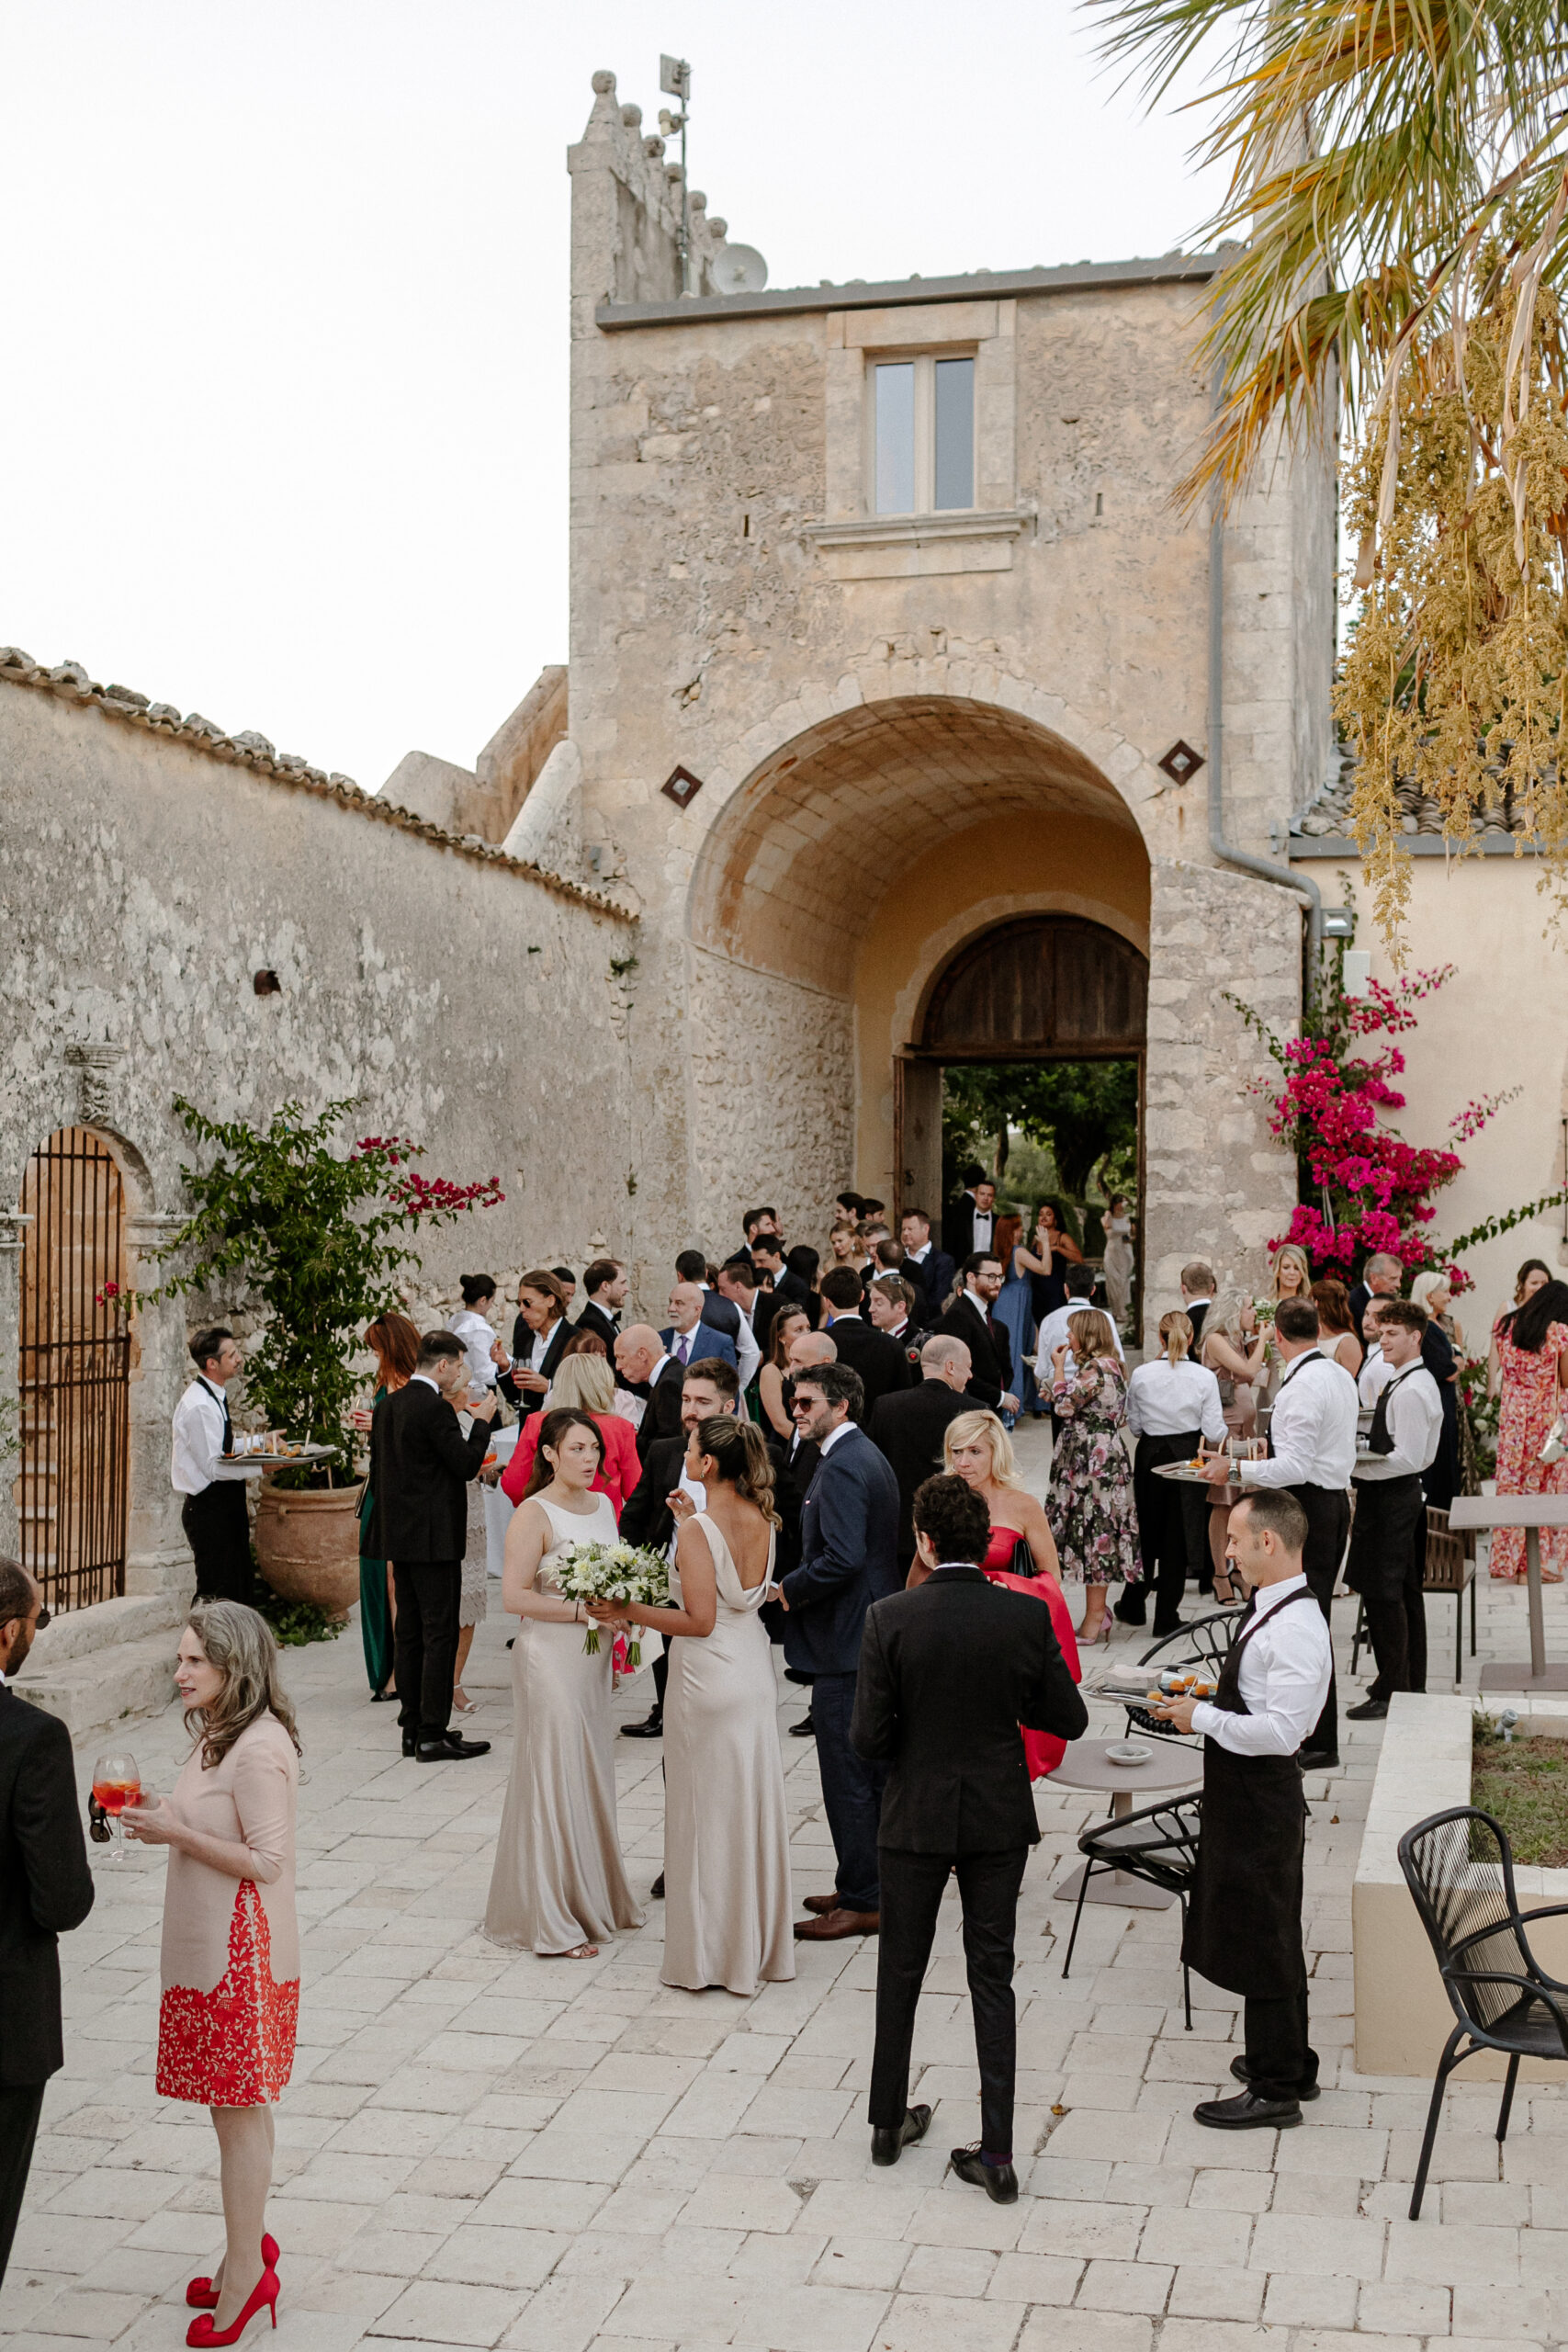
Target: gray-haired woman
(230, 1959)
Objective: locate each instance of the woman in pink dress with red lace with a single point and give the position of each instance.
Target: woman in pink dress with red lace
(1530, 1366)
(230, 1959)
(1021, 1554)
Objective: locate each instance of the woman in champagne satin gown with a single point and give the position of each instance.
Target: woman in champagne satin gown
(727, 1912)
(558, 1885)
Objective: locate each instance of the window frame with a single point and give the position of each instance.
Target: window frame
(924, 357)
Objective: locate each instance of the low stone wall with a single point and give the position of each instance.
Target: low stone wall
(1403, 2014)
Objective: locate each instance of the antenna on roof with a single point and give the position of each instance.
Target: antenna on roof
(675, 81)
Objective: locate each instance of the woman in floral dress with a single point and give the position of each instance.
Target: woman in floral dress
(1090, 1507)
(1529, 1365)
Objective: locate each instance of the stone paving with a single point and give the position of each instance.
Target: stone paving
(480, 2148)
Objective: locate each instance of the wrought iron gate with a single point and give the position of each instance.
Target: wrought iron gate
(74, 1372)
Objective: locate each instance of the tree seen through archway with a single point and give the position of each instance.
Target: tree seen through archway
(1083, 1114)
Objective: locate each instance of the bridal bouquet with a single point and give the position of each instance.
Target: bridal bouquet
(614, 1572)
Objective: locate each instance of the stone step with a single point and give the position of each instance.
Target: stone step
(103, 1688)
(105, 1624)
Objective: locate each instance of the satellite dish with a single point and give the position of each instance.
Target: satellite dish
(738, 269)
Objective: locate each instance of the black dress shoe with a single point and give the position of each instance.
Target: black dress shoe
(803, 1729)
(410, 1745)
(1247, 2112)
(656, 1892)
(651, 1727)
(1243, 2073)
(1318, 1759)
(382, 1698)
(451, 1749)
(998, 2181)
(1371, 1711)
(888, 2140)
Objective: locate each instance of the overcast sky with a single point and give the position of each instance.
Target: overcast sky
(284, 403)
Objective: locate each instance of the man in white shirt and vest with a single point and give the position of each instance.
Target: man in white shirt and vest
(1312, 1452)
(1243, 1913)
(213, 1514)
(1388, 1550)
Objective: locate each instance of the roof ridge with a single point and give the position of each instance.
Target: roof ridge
(251, 749)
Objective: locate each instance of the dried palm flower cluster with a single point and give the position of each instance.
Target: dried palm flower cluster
(1456, 674)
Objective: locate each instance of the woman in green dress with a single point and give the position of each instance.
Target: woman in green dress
(394, 1342)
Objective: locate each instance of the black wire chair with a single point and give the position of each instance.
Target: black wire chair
(1158, 1844)
(1204, 1642)
(1458, 1867)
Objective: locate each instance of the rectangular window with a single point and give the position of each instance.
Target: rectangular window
(922, 420)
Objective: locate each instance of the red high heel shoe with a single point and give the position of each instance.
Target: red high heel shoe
(202, 2295)
(201, 2331)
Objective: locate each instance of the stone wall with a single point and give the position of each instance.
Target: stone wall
(772, 1117)
(461, 998)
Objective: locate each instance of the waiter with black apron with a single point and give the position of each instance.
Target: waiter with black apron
(213, 1512)
(1312, 1452)
(1244, 1914)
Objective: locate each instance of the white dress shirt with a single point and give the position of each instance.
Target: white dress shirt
(831, 1439)
(197, 1457)
(746, 1348)
(1314, 1428)
(1053, 1335)
(1283, 1676)
(1164, 1398)
(1414, 1421)
(985, 1227)
(1374, 1377)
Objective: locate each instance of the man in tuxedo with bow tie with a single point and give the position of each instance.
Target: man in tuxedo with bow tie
(604, 1287)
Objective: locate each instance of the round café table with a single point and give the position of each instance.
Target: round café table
(1174, 1766)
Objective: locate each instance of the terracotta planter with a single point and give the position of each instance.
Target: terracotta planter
(307, 1544)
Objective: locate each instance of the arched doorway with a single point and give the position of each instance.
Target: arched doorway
(1039, 989)
(75, 1371)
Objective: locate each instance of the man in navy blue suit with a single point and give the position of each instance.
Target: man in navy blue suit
(849, 1540)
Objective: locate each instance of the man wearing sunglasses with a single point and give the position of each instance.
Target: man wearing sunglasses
(45, 1887)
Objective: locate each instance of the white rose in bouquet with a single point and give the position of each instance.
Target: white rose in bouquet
(614, 1572)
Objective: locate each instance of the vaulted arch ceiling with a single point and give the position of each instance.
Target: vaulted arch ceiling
(804, 851)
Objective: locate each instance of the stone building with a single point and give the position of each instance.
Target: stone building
(891, 736)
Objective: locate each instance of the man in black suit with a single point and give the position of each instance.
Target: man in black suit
(848, 1526)
(45, 1888)
(969, 1318)
(908, 1429)
(708, 1387)
(898, 1310)
(420, 1467)
(970, 1222)
(1197, 1297)
(604, 1288)
(758, 1224)
(768, 1259)
(931, 1269)
(645, 1367)
(879, 1360)
(1381, 1277)
(799, 1278)
(947, 1674)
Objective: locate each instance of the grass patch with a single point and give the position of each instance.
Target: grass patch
(1523, 1783)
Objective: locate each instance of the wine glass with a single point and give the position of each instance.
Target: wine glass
(116, 1783)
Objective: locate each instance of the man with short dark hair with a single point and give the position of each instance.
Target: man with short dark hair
(757, 1223)
(908, 1428)
(931, 1268)
(1243, 1913)
(46, 1888)
(213, 1514)
(970, 1319)
(420, 1467)
(1387, 1547)
(709, 1387)
(605, 1284)
(848, 1559)
(971, 1222)
(1197, 1297)
(947, 1674)
(878, 1359)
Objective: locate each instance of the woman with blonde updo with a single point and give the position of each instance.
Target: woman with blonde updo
(1172, 1406)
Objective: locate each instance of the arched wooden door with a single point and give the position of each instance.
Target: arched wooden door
(75, 1371)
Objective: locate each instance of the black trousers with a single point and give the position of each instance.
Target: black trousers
(1281, 2060)
(218, 1528)
(912, 1887)
(1166, 1534)
(425, 1648)
(1386, 1567)
(1328, 1523)
(20, 2106)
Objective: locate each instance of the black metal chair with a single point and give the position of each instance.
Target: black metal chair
(1203, 1642)
(1451, 1567)
(1158, 1844)
(1458, 1867)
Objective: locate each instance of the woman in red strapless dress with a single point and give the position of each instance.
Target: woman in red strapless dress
(979, 1450)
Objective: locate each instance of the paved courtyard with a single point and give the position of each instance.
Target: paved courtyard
(481, 2148)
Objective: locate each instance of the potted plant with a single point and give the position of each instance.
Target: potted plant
(319, 1237)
